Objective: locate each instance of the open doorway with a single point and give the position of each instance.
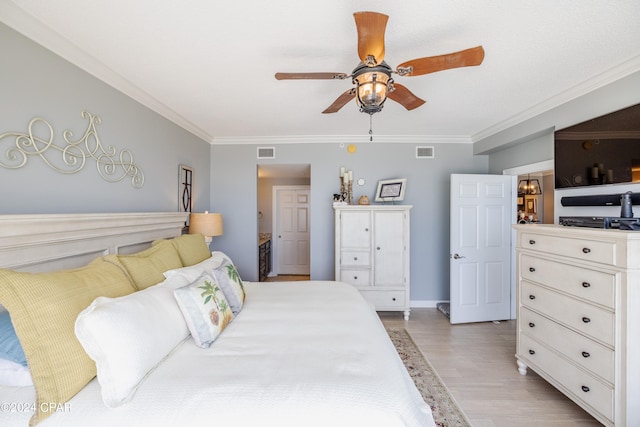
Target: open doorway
(535, 198)
(543, 169)
(284, 239)
(535, 206)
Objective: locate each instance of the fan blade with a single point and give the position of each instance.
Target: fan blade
(371, 27)
(405, 97)
(317, 76)
(431, 64)
(341, 101)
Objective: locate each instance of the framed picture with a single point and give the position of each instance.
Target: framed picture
(532, 206)
(520, 200)
(391, 190)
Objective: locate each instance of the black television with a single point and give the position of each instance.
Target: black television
(603, 150)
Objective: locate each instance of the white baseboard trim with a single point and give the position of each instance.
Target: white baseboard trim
(424, 304)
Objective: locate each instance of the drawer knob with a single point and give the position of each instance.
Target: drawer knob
(585, 388)
(531, 269)
(355, 277)
(366, 229)
(532, 242)
(532, 325)
(586, 284)
(393, 299)
(378, 248)
(585, 354)
(355, 258)
(586, 320)
(586, 250)
(532, 352)
(532, 297)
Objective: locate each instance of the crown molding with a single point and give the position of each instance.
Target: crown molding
(343, 139)
(27, 25)
(616, 73)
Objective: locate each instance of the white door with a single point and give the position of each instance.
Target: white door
(292, 247)
(480, 248)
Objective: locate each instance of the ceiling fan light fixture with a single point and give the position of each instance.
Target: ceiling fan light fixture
(372, 85)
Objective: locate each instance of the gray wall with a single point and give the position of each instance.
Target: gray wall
(234, 193)
(37, 83)
(536, 149)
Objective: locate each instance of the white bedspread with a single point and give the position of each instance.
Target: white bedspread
(299, 354)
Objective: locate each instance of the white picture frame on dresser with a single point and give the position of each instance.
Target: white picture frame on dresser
(578, 316)
(372, 251)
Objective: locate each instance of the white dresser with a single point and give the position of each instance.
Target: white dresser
(372, 253)
(579, 316)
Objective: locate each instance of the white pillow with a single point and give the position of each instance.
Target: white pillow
(128, 336)
(14, 374)
(180, 277)
(205, 309)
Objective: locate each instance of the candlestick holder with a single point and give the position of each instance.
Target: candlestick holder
(343, 190)
(346, 186)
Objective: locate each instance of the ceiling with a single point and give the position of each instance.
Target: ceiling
(209, 65)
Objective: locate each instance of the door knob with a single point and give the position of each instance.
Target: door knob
(456, 256)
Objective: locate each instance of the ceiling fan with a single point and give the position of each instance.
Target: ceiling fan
(372, 76)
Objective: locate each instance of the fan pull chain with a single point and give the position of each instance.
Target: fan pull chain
(370, 127)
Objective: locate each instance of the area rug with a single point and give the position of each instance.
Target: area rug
(446, 411)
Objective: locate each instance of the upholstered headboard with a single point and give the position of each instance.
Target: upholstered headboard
(39, 243)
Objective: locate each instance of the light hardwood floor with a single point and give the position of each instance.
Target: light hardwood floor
(476, 361)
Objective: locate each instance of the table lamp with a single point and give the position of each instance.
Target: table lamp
(207, 224)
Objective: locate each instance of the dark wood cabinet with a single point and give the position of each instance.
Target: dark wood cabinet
(264, 260)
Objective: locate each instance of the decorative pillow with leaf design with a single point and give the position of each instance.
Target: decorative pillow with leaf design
(205, 309)
(230, 282)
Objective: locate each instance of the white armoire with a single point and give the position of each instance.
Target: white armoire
(372, 253)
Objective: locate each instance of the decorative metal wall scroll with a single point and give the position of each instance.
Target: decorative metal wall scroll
(112, 166)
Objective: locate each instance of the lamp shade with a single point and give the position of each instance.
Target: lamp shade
(207, 224)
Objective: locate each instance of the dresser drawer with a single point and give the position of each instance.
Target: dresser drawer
(588, 250)
(580, 349)
(580, 385)
(355, 258)
(584, 317)
(591, 285)
(385, 300)
(356, 277)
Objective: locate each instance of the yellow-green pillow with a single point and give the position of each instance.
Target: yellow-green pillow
(145, 268)
(191, 248)
(43, 309)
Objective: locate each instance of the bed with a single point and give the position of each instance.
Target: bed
(299, 353)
